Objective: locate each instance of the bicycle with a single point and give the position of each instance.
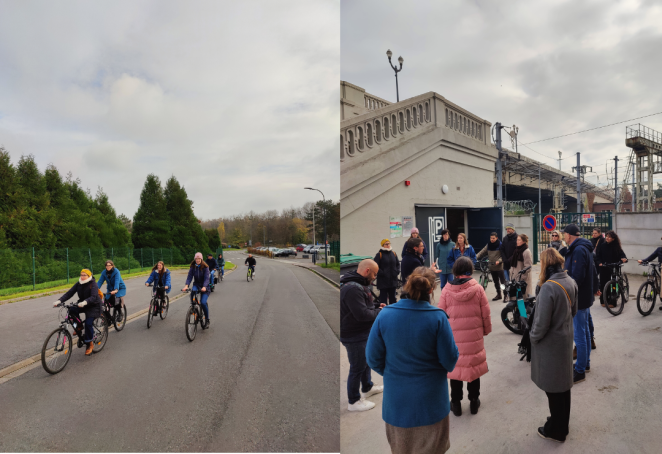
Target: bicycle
(249, 274)
(649, 290)
(194, 315)
(484, 278)
(617, 285)
(56, 350)
(211, 280)
(516, 313)
(158, 305)
(118, 316)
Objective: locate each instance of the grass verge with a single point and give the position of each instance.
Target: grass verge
(333, 266)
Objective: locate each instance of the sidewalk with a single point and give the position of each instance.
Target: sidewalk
(328, 273)
(615, 410)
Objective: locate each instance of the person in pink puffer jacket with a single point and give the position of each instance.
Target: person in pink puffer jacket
(465, 302)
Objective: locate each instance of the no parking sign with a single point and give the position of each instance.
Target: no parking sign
(549, 223)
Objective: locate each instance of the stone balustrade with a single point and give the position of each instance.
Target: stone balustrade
(374, 103)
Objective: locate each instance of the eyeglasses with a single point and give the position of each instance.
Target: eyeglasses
(555, 236)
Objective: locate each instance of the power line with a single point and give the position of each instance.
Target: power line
(593, 129)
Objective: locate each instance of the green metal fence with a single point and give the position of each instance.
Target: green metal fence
(32, 269)
(334, 250)
(585, 221)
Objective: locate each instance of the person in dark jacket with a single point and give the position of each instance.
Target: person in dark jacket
(91, 299)
(160, 276)
(493, 252)
(221, 264)
(608, 251)
(199, 274)
(580, 266)
(657, 254)
(389, 270)
(213, 266)
(357, 314)
(556, 242)
(250, 261)
(415, 234)
(413, 258)
(508, 245)
(441, 251)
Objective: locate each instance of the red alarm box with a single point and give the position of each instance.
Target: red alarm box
(407, 182)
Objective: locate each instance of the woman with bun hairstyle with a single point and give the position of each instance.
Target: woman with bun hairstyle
(465, 302)
(416, 406)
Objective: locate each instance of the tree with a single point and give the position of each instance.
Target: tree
(221, 230)
(150, 223)
(128, 223)
(213, 239)
(186, 231)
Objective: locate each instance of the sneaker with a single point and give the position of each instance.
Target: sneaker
(361, 405)
(593, 347)
(588, 368)
(119, 316)
(456, 408)
(90, 347)
(473, 406)
(207, 323)
(497, 298)
(374, 390)
(541, 432)
(577, 377)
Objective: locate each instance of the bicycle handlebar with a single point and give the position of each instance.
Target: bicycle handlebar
(613, 264)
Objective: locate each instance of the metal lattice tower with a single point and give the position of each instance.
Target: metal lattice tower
(646, 144)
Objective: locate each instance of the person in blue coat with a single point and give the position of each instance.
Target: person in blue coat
(462, 249)
(115, 288)
(441, 251)
(199, 274)
(160, 275)
(411, 345)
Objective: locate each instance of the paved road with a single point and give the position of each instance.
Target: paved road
(264, 377)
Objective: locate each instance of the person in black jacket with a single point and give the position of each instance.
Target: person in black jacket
(413, 258)
(507, 248)
(608, 251)
(389, 269)
(357, 314)
(90, 304)
(657, 254)
(415, 234)
(213, 266)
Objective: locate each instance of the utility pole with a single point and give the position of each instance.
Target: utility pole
(559, 160)
(579, 187)
(634, 190)
(539, 198)
(616, 183)
(499, 165)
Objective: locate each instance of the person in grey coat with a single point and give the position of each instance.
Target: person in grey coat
(551, 338)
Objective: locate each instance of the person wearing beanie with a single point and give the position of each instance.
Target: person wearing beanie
(508, 245)
(90, 300)
(415, 234)
(199, 274)
(389, 270)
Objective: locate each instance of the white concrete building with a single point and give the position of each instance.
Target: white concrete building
(425, 158)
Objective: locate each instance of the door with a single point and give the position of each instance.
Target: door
(481, 222)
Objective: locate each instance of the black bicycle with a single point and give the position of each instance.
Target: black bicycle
(57, 348)
(649, 290)
(483, 266)
(158, 305)
(194, 315)
(617, 291)
(114, 311)
(519, 308)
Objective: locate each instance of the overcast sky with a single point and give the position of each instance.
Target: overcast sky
(238, 100)
(550, 67)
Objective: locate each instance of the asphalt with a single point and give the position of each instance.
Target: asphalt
(262, 378)
(329, 273)
(614, 411)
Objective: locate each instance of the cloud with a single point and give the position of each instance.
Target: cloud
(237, 100)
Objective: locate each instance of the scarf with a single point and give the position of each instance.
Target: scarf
(494, 246)
(389, 249)
(518, 255)
(441, 241)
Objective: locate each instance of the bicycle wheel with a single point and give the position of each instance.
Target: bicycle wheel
(201, 317)
(165, 304)
(646, 298)
(248, 275)
(483, 281)
(56, 351)
(613, 297)
(150, 312)
(100, 334)
(191, 325)
(510, 319)
(121, 314)
(626, 288)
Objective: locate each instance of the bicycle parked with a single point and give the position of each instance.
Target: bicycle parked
(118, 315)
(516, 313)
(56, 350)
(484, 267)
(194, 315)
(158, 305)
(616, 290)
(649, 290)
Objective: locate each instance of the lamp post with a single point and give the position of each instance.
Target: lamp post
(389, 54)
(326, 255)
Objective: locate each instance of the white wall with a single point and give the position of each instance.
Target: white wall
(523, 224)
(640, 235)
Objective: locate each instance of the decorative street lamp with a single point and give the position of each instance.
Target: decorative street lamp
(326, 253)
(401, 60)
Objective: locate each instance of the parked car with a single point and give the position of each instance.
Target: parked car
(287, 252)
(300, 247)
(308, 248)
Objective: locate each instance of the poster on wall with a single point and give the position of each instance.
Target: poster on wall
(396, 226)
(407, 225)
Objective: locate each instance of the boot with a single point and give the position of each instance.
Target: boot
(574, 353)
(498, 297)
(593, 347)
(90, 347)
(456, 408)
(473, 406)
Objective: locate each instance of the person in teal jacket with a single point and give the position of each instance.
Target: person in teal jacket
(462, 249)
(160, 275)
(415, 371)
(441, 251)
(115, 288)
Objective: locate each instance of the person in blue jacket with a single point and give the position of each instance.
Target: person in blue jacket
(160, 275)
(199, 274)
(115, 288)
(462, 249)
(441, 251)
(416, 404)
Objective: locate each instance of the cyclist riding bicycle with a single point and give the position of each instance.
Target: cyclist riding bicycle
(199, 274)
(213, 266)
(160, 276)
(250, 261)
(90, 304)
(657, 254)
(116, 290)
(221, 264)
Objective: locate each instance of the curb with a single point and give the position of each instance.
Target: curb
(330, 281)
(37, 358)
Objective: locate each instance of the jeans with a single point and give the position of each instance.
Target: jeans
(88, 322)
(211, 276)
(590, 324)
(444, 279)
(507, 276)
(582, 340)
(473, 389)
(223, 270)
(387, 293)
(203, 300)
(359, 371)
(559, 408)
